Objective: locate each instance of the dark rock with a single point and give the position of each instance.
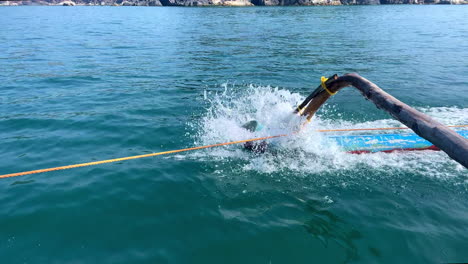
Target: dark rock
(295, 2)
(266, 2)
(67, 3)
(154, 3)
(361, 2)
(394, 2)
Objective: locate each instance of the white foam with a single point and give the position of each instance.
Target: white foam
(308, 151)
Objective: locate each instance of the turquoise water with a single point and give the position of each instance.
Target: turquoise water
(89, 83)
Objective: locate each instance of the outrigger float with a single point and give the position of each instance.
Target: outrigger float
(428, 134)
(364, 142)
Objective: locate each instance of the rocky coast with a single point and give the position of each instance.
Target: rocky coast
(225, 2)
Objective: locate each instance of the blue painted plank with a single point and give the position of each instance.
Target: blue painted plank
(384, 142)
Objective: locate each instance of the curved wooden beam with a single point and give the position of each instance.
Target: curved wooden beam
(438, 134)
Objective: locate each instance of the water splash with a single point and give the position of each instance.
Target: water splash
(308, 152)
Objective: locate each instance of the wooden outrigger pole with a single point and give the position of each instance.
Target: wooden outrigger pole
(438, 134)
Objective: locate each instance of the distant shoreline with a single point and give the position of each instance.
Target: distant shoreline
(239, 3)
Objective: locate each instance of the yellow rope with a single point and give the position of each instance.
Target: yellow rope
(299, 111)
(183, 150)
(324, 86)
(133, 157)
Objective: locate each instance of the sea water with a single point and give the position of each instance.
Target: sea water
(81, 84)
